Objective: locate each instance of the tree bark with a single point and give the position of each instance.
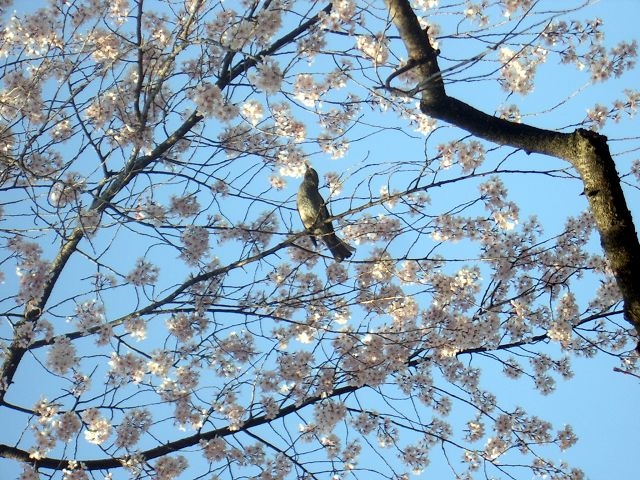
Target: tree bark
(587, 151)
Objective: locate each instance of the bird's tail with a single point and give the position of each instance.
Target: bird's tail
(339, 249)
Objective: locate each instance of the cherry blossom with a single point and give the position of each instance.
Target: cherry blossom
(214, 449)
(62, 356)
(168, 468)
(210, 101)
(163, 303)
(268, 76)
(133, 425)
(126, 368)
(136, 327)
(196, 244)
(97, 429)
(519, 69)
(374, 47)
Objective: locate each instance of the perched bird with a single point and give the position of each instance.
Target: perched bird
(314, 214)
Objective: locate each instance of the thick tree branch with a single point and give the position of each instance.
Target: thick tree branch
(587, 151)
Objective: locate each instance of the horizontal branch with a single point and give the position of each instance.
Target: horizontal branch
(412, 361)
(21, 455)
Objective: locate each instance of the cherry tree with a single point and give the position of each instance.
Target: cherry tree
(165, 315)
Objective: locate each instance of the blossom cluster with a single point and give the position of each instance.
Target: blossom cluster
(257, 234)
(133, 425)
(327, 414)
(370, 229)
(144, 273)
(469, 155)
(342, 17)
(184, 326)
(53, 426)
(268, 76)
(236, 32)
(375, 48)
(125, 368)
(196, 244)
(168, 468)
(62, 356)
(32, 270)
(505, 213)
(67, 189)
(21, 97)
(98, 429)
(519, 68)
(307, 90)
(89, 316)
(210, 102)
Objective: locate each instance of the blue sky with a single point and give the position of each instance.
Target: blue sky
(599, 403)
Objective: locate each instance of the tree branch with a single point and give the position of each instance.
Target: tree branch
(587, 151)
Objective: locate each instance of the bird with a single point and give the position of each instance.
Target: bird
(314, 214)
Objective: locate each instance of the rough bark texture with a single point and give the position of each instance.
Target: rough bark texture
(587, 151)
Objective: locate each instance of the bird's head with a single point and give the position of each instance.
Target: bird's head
(310, 175)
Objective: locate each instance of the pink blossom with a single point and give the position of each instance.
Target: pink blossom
(268, 77)
(98, 429)
(512, 6)
(136, 327)
(67, 425)
(160, 363)
(66, 190)
(285, 123)
(144, 273)
(341, 17)
(168, 468)
(89, 316)
(566, 437)
(335, 147)
(182, 326)
(185, 206)
(252, 111)
(307, 90)
(106, 46)
(277, 182)
(196, 244)
(75, 473)
(291, 162)
(125, 368)
(476, 431)
(28, 473)
(598, 116)
(150, 211)
(133, 425)
(519, 68)
(374, 48)
(62, 356)
(327, 414)
(213, 450)
(210, 102)
(416, 457)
